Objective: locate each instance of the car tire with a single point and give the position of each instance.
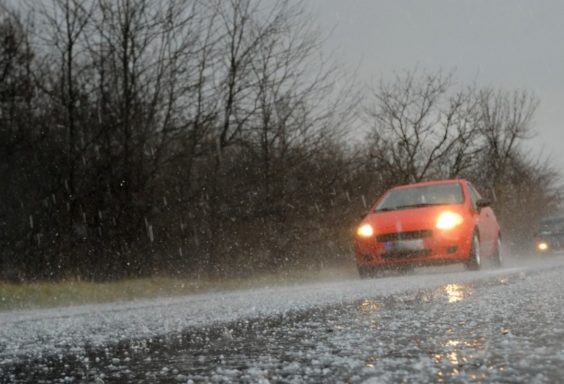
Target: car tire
(498, 254)
(406, 270)
(369, 272)
(365, 272)
(475, 262)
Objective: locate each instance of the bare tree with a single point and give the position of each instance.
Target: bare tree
(277, 106)
(524, 188)
(244, 26)
(147, 79)
(18, 134)
(505, 121)
(297, 109)
(63, 24)
(421, 128)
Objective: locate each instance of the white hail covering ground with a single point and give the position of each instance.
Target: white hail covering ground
(28, 334)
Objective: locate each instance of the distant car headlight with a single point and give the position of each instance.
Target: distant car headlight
(365, 230)
(448, 220)
(542, 246)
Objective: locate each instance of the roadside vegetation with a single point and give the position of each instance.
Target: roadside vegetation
(62, 293)
(214, 139)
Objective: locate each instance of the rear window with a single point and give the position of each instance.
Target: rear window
(441, 194)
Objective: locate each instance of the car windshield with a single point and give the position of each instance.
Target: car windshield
(442, 194)
(548, 226)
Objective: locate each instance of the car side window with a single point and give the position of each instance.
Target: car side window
(474, 196)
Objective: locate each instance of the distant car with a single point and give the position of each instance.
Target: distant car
(434, 222)
(550, 237)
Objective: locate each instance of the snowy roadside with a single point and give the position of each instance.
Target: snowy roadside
(26, 335)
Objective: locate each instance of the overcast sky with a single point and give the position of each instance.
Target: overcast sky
(513, 44)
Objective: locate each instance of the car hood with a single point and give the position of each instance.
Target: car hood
(412, 219)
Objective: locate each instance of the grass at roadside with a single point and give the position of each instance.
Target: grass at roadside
(14, 296)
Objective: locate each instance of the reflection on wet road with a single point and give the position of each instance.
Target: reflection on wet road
(500, 329)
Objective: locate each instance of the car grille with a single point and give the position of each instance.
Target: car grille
(404, 235)
(406, 254)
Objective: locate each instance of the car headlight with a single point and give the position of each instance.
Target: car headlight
(365, 230)
(449, 220)
(542, 246)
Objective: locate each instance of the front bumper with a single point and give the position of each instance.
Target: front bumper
(548, 246)
(422, 247)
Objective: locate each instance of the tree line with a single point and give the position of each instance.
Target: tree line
(212, 138)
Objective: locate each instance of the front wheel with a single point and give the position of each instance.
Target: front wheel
(369, 272)
(475, 262)
(364, 272)
(498, 255)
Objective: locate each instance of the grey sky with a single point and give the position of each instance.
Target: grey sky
(513, 44)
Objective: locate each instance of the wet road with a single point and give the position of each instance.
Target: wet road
(490, 326)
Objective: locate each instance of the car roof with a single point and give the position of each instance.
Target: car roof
(429, 183)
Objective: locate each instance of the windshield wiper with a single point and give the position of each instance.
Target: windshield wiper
(385, 209)
(420, 205)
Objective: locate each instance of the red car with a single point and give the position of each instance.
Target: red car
(434, 222)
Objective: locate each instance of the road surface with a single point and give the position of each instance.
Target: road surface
(436, 325)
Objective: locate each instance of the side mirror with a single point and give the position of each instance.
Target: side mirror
(481, 203)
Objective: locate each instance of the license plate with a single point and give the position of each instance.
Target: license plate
(404, 245)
